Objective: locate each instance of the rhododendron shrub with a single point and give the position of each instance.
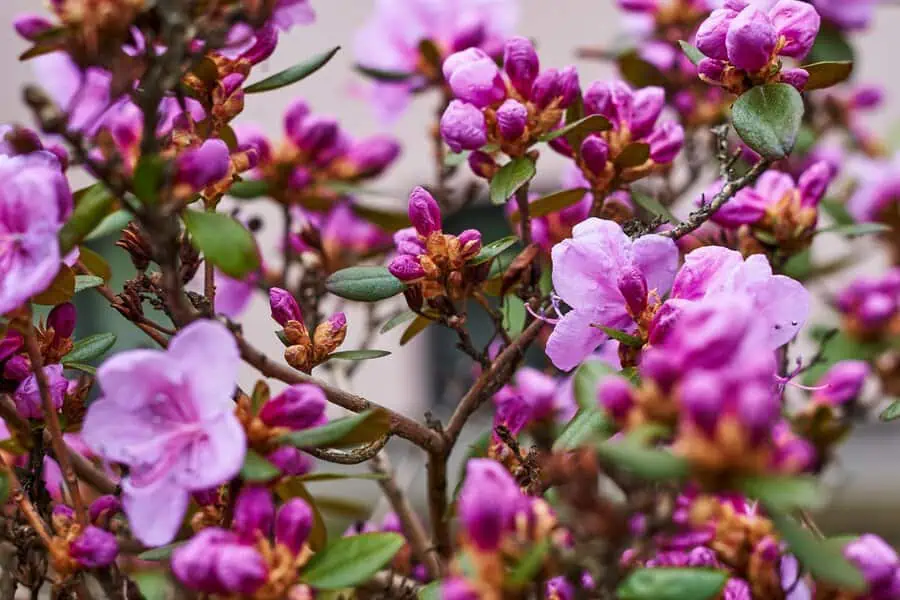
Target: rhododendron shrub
(666, 435)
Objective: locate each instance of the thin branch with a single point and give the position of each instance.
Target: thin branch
(350, 457)
(25, 506)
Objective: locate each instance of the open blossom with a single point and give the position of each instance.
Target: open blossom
(741, 39)
(169, 416)
(28, 395)
(35, 200)
(879, 565)
(390, 41)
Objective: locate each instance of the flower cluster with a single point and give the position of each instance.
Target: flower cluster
(871, 306)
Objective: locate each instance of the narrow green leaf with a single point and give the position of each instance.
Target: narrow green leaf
(257, 469)
(583, 128)
(397, 320)
(455, 159)
(292, 74)
(785, 493)
(383, 74)
(363, 428)
(665, 583)
(633, 155)
(494, 249)
(837, 211)
(524, 571)
(161, 553)
(89, 348)
(91, 207)
(313, 477)
(892, 412)
(358, 354)
(419, 325)
(148, 178)
(855, 229)
(645, 462)
(692, 52)
(223, 241)
(584, 427)
(826, 74)
(585, 381)
(768, 117)
(653, 206)
(551, 203)
(364, 284)
(94, 263)
(153, 585)
(514, 315)
(387, 220)
(112, 223)
(511, 176)
(248, 189)
(80, 367)
(4, 486)
(621, 336)
(350, 561)
(824, 561)
(86, 282)
(639, 72)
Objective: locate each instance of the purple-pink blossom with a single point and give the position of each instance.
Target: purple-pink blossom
(169, 416)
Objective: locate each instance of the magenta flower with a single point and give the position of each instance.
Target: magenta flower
(35, 200)
(169, 416)
(28, 395)
(847, 15)
(842, 383)
(878, 563)
(878, 188)
(94, 548)
(486, 522)
(607, 279)
(871, 303)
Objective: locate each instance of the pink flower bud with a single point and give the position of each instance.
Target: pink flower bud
(814, 182)
(200, 167)
(595, 154)
(293, 524)
(711, 70)
(795, 77)
(373, 155)
(294, 117)
(474, 78)
(545, 88)
(299, 406)
(17, 368)
(406, 268)
(463, 126)
(648, 104)
(512, 119)
(469, 37)
(758, 408)
(843, 382)
(520, 60)
(424, 212)
(291, 461)
(482, 164)
(642, 6)
(798, 23)
(240, 569)
(665, 142)
(407, 242)
(633, 288)
(194, 563)
(470, 242)
(750, 40)
(867, 97)
(229, 86)
(569, 86)
(701, 396)
(94, 548)
(315, 134)
(337, 321)
(283, 306)
(710, 38)
(254, 513)
(486, 522)
(62, 320)
(31, 27)
(104, 508)
(28, 396)
(615, 396)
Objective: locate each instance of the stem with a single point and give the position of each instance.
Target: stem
(524, 214)
(437, 501)
(51, 420)
(28, 511)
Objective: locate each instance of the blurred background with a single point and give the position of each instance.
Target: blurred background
(864, 487)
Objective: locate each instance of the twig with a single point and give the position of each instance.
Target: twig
(409, 520)
(437, 501)
(9, 560)
(350, 457)
(524, 214)
(25, 506)
(51, 420)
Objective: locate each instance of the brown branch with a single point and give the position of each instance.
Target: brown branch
(350, 457)
(51, 421)
(437, 501)
(25, 506)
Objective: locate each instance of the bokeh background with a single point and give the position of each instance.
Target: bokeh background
(864, 488)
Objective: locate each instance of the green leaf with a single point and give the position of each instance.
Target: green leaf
(511, 176)
(782, 492)
(248, 189)
(665, 583)
(584, 426)
(86, 282)
(397, 320)
(292, 74)
(455, 159)
(621, 336)
(645, 462)
(60, 290)
(350, 561)
(494, 249)
(826, 74)
(639, 72)
(841, 347)
(837, 211)
(257, 469)
(633, 155)
(692, 52)
(415, 328)
(112, 223)
(153, 585)
(223, 241)
(582, 128)
(524, 571)
(653, 206)
(161, 553)
(148, 178)
(514, 315)
(364, 284)
(767, 118)
(432, 591)
(91, 207)
(80, 367)
(313, 477)
(551, 203)
(892, 412)
(383, 74)
(365, 354)
(824, 561)
(94, 263)
(387, 220)
(363, 428)
(855, 229)
(89, 348)
(831, 45)
(585, 381)
(4, 486)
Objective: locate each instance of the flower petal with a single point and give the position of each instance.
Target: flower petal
(586, 267)
(574, 339)
(207, 354)
(704, 269)
(113, 431)
(657, 258)
(216, 457)
(155, 512)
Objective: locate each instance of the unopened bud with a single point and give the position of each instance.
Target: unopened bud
(94, 548)
(293, 524)
(424, 212)
(283, 306)
(299, 406)
(254, 512)
(62, 320)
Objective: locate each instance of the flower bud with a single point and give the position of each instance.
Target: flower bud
(737, 589)
(299, 406)
(633, 288)
(28, 395)
(798, 23)
(701, 396)
(10, 344)
(758, 408)
(485, 522)
(648, 104)
(293, 524)
(482, 164)
(103, 509)
(265, 41)
(294, 117)
(474, 78)
(795, 77)
(750, 40)
(545, 88)
(31, 27)
(200, 167)
(254, 513)
(665, 142)
(595, 154)
(330, 334)
(373, 155)
(17, 368)
(463, 126)
(559, 588)
(424, 212)
(710, 37)
(406, 267)
(711, 70)
(457, 588)
(867, 97)
(469, 242)
(62, 320)
(194, 563)
(843, 382)
(569, 86)
(291, 461)
(240, 569)
(876, 309)
(407, 242)
(316, 134)
(62, 517)
(878, 563)
(512, 119)
(94, 548)
(520, 60)
(299, 179)
(469, 36)
(283, 306)
(813, 183)
(615, 396)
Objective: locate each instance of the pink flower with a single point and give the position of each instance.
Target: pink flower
(606, 278)
(170, 418)
(34, 201)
